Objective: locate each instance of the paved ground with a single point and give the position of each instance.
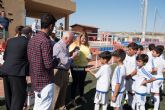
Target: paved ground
(89, 95)
(90, 92)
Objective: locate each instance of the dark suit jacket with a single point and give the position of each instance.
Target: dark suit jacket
(15, 56)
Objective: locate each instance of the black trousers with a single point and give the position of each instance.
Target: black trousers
(15, 92)
(78, 80)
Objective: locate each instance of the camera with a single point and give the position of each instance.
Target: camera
(76, 49)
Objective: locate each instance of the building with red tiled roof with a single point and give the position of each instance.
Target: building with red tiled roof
(86, 28)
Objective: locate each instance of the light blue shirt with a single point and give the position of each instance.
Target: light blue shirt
(61, 51)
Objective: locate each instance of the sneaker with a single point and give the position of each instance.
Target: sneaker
(83, 99)
(74, 103)
(124, 102)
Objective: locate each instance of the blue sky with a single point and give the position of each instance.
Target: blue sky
(117, 15)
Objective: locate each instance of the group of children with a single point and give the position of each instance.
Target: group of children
(136, 75)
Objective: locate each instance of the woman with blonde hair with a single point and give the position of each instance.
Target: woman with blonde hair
(79, 64)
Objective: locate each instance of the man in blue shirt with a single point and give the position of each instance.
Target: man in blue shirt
(4, 24)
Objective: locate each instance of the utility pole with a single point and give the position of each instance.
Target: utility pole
(145, 9)
(155, 18)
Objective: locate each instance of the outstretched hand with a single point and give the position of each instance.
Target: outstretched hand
(144, 82)
(88, 69)
(75, 54)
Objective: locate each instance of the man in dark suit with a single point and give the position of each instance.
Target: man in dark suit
(15, 70)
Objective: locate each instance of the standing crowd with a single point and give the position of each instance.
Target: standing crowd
(36, 57)
(136, 75)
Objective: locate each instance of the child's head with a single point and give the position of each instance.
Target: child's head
(105, 57)
(141, 59)
(161, 46)
(140, 49)
(119, 55)
(132, 49)
(151, 47)
(158, 50)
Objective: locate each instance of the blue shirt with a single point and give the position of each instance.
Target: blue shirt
(4, 22)
(61, 51)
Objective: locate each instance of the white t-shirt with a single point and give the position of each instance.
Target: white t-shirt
(119, 78)
(162, 56)
(1, 58)
(142, 74)
(149, 53)
(130, 64)
(34, 26)
(158, 63)
(103, 77)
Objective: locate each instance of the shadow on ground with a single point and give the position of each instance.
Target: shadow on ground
(90, 84)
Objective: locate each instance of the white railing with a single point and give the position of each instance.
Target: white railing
(99, 43)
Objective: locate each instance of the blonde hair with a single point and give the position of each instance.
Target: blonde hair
(83, 34)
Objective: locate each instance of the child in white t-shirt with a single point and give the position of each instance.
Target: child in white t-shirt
(162, 57)
(130, 64)
(103, 77)
(150, 57)
(118, 79)
(158, 65)
(149, 53)
(143, 77)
